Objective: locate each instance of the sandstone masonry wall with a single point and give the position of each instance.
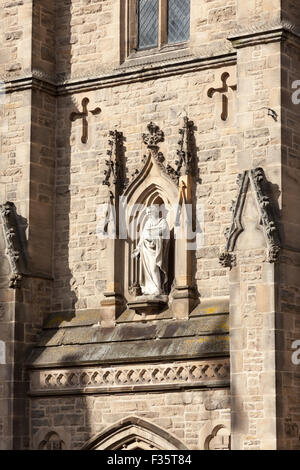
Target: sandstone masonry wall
(190, 416)
(89, 40)
(55, 182)
(15, 27)
(288, 407)
(80, 257)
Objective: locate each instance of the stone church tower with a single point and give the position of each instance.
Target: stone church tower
(109, 108)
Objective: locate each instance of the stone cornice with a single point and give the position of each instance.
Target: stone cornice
(278, 33)
(30, 83)
(121, 76)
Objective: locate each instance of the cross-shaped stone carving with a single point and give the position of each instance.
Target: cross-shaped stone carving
(223, 90)
(84, 115)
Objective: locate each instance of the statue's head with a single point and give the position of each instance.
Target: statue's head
(153, 212)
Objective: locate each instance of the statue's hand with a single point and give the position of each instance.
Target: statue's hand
(135, 253)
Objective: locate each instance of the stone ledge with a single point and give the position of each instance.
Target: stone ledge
(150, 72)
(207, 308)
(39, 81)
(30, 83)
(253, 38)
(184, 329)
(153, 56)
(173, 349)
(68, 342)
(151, 377)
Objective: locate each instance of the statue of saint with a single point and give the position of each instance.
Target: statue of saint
(153, 250)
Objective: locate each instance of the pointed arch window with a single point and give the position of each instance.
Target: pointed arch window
(161, 22)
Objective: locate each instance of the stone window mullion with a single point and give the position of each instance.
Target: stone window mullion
(132, 25)
(163, 23)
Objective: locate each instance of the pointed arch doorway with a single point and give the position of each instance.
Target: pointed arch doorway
(134, 433)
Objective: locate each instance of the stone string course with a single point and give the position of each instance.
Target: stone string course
(114, 379)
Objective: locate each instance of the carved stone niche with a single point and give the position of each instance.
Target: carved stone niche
(166, 192)
(151, 259)
(150, 187)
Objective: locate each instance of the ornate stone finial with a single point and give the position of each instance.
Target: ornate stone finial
(151, 140)
(273, 254)
(114, 175)
(153, 137)
(227, 260)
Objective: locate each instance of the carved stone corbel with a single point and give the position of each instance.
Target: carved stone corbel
(14, 246)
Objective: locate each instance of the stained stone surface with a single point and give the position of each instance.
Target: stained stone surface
(201, 337)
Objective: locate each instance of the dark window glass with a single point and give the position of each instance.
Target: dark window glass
(178, 20)
(148, 23)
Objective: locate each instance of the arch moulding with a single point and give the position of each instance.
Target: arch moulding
(134, 433)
